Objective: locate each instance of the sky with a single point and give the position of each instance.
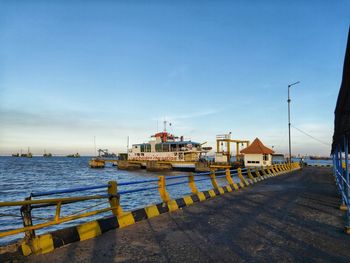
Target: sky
(74, 70)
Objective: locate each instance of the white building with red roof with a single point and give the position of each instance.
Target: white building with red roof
(257, 154)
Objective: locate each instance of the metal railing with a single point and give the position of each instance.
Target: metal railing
(341, 174)
(113, 194)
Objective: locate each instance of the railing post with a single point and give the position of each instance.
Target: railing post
(346, 152)
(250, 176)
(213, 179)
(269, 170)
(114, 198)
(264, 172)
(337, 168)
(343, 206)
(241, 178)
(347, 194)
(162, 189)
(229, 179)
(192, 184)
(279, 167)
(58, 211)
(274, 171)
(258, 174)
(26, 212)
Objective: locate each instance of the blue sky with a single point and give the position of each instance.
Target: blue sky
(72, 70)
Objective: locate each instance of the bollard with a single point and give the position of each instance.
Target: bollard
(26, 212)
(162, 189)
(192, 184)
(114, 198)
(213, 179)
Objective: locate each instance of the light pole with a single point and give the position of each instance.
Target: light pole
(290, 143)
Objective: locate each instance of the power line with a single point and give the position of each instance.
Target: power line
(312, 137)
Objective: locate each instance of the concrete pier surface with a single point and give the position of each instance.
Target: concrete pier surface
(289, 218)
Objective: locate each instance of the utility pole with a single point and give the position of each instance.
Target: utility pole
(290, 143)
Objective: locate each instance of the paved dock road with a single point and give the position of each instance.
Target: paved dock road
(289, 218)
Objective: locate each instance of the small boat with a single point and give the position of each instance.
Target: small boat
(97, 163)
(27, 155)
(47, 154)
(75, 155)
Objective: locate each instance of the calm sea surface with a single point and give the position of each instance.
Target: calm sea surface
(21, 176)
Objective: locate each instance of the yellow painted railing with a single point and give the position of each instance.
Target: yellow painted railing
(113, 195)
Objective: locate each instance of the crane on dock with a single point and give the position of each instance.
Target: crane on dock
(226, 139)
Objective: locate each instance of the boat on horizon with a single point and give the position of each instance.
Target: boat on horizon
(75, 155)
(47, 155)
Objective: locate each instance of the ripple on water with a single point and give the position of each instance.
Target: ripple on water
(21, 176)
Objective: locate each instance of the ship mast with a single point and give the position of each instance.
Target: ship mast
(164, 126)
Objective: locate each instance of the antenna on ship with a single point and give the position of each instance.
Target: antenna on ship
(164, 125)
(95, 145)
(127, 145)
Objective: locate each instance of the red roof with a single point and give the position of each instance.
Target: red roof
(257, 147)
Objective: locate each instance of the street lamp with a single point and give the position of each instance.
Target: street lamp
(290, 148)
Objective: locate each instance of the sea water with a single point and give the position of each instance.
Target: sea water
(21, 176)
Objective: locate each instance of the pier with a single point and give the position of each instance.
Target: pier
(294, 216)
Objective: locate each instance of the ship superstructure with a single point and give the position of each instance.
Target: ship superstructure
(164, 146)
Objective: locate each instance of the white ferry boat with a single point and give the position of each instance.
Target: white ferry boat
(166, 147)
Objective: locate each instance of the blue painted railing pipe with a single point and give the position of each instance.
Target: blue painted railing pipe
(86, 188)
(138, 182)
(137, 190)
(178, 183)
(71, 190)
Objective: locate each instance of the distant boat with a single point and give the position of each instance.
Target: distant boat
(103, 153)
(27, 155)
(47, 154)
(76, 155)
(15, 155)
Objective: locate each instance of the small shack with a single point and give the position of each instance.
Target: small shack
(257, 154)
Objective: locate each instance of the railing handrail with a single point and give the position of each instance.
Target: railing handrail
(68, 190)
(94, 187)
(53, 200)
(113, 195)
